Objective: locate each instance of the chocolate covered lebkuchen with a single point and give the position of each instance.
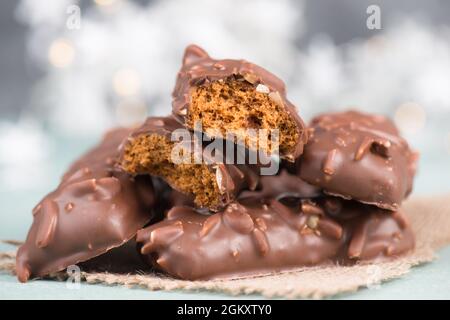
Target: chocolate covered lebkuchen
(359, 156)
(94, 209)
(255, 236)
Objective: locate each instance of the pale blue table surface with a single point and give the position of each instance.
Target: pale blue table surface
(431, 280)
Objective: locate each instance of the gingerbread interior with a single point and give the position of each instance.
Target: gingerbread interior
(235, 104)
(151, 154)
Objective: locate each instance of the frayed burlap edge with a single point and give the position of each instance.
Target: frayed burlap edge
(430, 219)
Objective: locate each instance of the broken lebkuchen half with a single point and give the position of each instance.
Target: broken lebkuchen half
(94, 209)
(359, 156)
(232, 96)
(150, 150)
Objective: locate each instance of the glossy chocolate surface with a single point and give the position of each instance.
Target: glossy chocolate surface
(257, 236)
(94, 209)
(359, 156)
(282, 185)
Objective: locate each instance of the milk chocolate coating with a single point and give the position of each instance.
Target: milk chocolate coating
(374, 234)
(245, 238)
(254, 237)
(231, 178)
(359, 156)
(199, 69)
(94, 209)
(162, 126)
(282, 185)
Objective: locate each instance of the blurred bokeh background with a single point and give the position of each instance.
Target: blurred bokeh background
(71, 69)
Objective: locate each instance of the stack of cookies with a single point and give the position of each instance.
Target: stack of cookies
(232, 184)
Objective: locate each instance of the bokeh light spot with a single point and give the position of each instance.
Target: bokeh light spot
(104, 2)
(61, 53)
(126, 82)
(410, 118)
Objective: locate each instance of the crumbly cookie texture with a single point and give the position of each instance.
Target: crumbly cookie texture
(235, 104)
(152, 154)
(183, 165)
